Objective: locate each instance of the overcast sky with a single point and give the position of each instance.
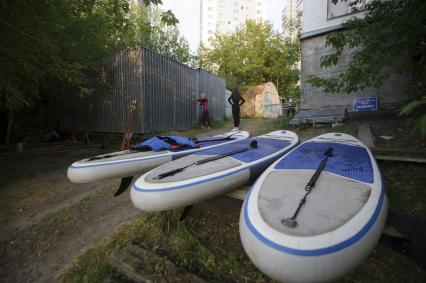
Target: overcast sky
(188, 14)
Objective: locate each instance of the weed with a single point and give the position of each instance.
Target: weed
(68, 212)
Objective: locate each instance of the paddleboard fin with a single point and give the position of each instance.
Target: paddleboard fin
(185, 212)
(125, 183)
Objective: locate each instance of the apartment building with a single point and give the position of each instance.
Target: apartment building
(290, 12)
(226, 15)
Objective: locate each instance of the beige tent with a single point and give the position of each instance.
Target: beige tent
(262, 101)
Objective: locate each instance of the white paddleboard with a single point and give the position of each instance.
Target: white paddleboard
(338, 225)
(207, 180)
(129, 163)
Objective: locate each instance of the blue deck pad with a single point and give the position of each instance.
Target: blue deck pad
(265, 147)
(348, 160)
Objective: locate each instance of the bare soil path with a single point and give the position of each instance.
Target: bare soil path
(47, 220)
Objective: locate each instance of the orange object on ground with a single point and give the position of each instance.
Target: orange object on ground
(126, 142)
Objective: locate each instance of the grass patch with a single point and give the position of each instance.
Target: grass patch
(285, 122)
(180, 242)
(405, 183)
(67, 213)
(208, 243)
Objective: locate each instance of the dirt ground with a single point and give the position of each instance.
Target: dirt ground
(46, 220)
(397, 134)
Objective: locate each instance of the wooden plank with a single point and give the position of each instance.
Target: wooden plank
(398, 151)
(239, 193)
(399, 158)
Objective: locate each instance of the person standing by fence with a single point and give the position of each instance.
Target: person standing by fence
(236, 100)
(205, 109)
(291, 106)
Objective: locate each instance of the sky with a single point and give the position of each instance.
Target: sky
(188, 14)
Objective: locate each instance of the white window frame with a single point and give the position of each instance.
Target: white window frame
(362, 8)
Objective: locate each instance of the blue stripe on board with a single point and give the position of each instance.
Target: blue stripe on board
(350, 161)
(317, 252)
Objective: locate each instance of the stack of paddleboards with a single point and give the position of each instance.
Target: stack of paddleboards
(210, 172)
(133, 162)
(317, 212)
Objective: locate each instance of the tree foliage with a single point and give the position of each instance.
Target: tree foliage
(166, 39)
(48, 47)
(391, 36)
(253, 54)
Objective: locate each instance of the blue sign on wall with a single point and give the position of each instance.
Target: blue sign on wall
(362, 104)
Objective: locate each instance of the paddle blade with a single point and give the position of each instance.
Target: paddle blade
(125, 183)
(289, 222)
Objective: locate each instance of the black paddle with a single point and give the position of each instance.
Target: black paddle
(126, 181)
(213, 140)
(129, 151)
(147, 148)
(291, 222)
(253, 144)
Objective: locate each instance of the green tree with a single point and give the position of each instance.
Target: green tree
(391, 36)
(48, 47)
(253, 54)
(165, 38)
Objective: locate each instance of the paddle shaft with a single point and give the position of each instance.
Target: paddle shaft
(311, 184)
(130, 151)
(213, 140)
(202, 161)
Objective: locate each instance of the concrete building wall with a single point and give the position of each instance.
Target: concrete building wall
(312, 49)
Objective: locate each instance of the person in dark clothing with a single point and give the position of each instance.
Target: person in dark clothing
(291, 106)
(236, 100)
(205, 108)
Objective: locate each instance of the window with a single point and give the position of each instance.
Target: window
(210, 9)
(235, 3)
(337, 8)
(242, 8)
(229, 22)
(259, 3)
(210, 31)
(259, 12)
